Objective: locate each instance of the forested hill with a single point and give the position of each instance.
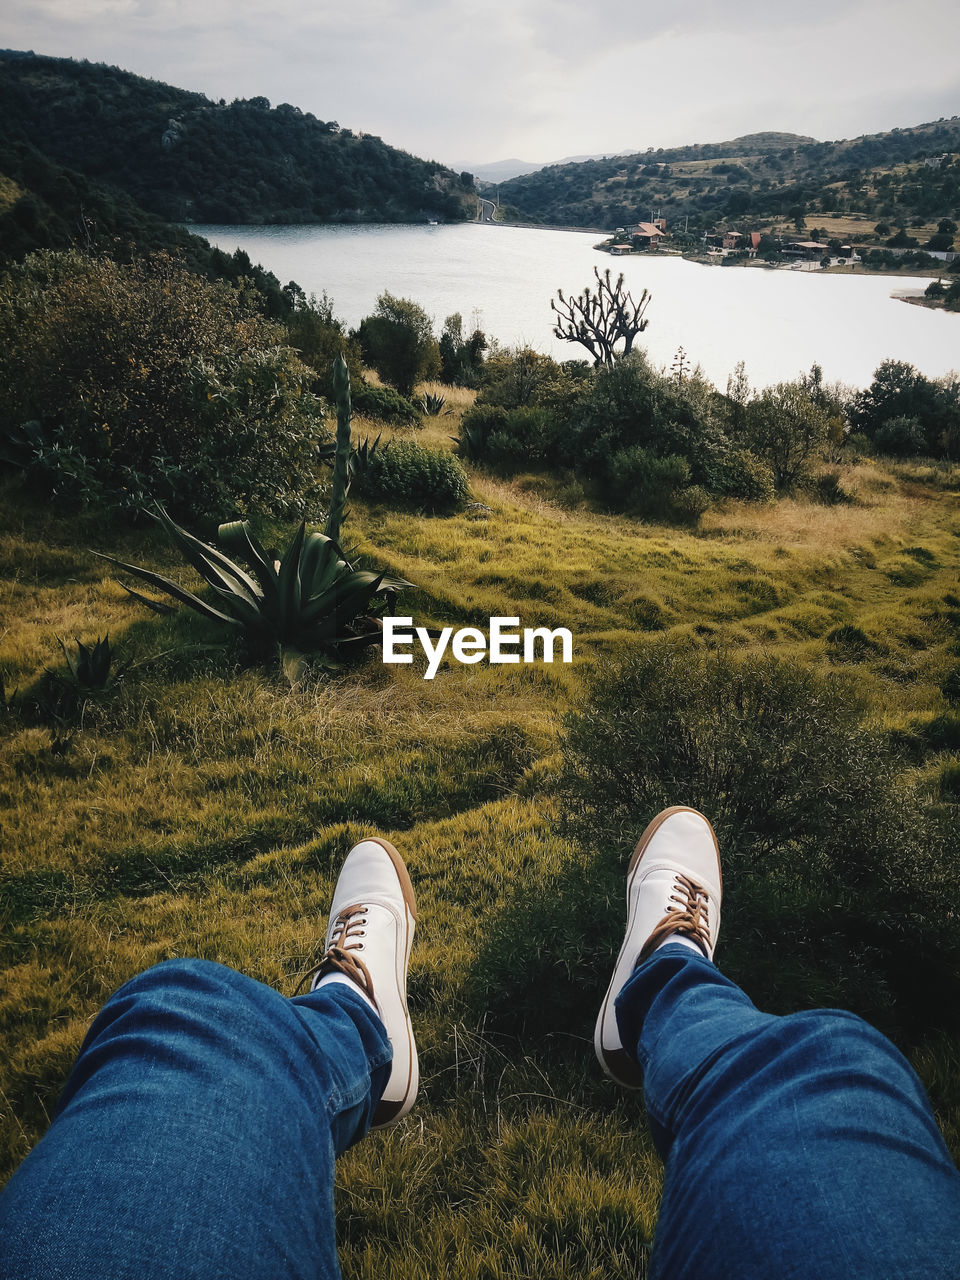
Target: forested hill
(44, 205)
(895, 176)
(186, 158)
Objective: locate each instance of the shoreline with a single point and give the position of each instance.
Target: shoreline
(931, 273)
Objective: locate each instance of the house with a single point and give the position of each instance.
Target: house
(731, 240)
(809, 249)
(647, 235)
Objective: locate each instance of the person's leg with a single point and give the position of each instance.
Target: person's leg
(197, 1132)
(196, 1135)
(794, 1147)
(802, 1146)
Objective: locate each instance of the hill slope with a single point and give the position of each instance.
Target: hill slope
(883, 175)
(186, 158)
(46, 206)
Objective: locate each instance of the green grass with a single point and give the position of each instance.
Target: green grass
(204, 809)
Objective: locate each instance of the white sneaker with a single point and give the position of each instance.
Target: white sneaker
(372, 919)
(674, 886)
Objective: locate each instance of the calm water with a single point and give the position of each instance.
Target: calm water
(779, 322)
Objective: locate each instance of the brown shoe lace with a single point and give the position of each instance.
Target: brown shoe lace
(340, 955)
(690, 916)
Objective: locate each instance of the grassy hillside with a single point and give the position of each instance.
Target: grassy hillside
(204, 811)
(760, 177)
(186, 158)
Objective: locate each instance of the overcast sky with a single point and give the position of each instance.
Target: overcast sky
(539, 79)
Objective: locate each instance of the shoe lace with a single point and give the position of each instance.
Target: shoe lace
(689, 914)
(340, 956)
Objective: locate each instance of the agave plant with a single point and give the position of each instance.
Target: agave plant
(470, 444)
(361, 455)
(311, 600)
(432, 405)
(93, 669)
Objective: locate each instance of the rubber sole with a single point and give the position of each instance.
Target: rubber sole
(617, 1063)
(388, 1113)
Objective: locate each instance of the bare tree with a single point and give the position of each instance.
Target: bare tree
(599, 320)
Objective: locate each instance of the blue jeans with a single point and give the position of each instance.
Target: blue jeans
(797, 1148)
(197, 1133)
(196, 1136)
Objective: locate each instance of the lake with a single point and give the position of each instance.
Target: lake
(778, 322)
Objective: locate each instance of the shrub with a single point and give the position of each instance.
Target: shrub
(319, 337)
(828, 489)
(383, 404)
(643, 484)
(516, 379)
(397, 341)
(145, 380)
(507, 438)
(903, 437)
(772, 753)
(785, 428)
(690, 504)
(405, 473)
(476, 427)
(461, 359)
(634, 406)
(741, 474)
(830, 859)
(899, 391)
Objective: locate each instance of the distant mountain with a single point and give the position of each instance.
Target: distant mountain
(503, 170)
(896, 176)
(186, 158)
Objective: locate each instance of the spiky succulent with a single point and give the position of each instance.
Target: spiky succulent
(311, 600)
(93, 669)
(432, 404)
(361, 455)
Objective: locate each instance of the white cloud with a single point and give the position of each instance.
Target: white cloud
(537, 78)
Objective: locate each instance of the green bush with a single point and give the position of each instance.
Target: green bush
(506, 438)
(383, 403)
(739, 473)
(775, 755)
(405, 473)
(397, 341)
(902, 437)
(835, 868)
(319, 337)
(145, 381)
(632, 406)
(645, 485)
(786, 428)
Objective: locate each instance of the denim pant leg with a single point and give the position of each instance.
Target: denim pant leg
(195, 1138)
(797, 1147)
